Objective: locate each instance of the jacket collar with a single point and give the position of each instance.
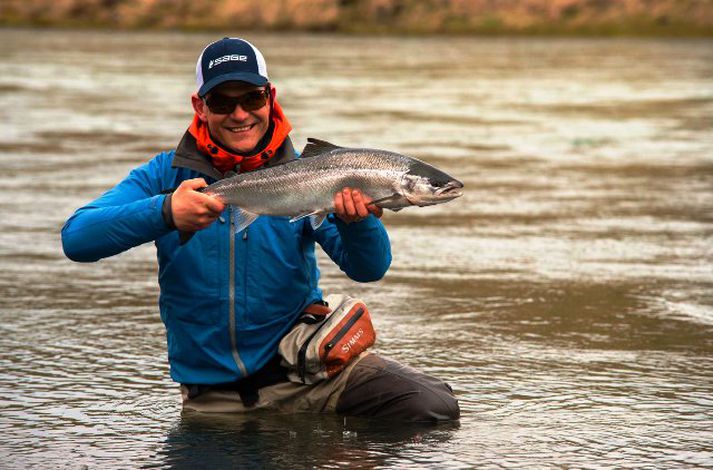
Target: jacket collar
(188, 156)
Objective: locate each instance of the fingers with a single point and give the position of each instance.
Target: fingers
(344, 206)
(195, 183)
(351, 205)
(193, 210)
(359, 204)
(213, 204)
(339, 205)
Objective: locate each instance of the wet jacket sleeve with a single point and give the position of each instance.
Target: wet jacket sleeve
(361, 249)
(127, 215)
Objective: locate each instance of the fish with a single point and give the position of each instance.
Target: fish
(305, 187)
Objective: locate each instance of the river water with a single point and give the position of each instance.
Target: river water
(567, 297)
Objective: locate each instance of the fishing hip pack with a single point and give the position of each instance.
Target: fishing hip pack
(326, 338)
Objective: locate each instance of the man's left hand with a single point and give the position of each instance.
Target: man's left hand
(350, 205)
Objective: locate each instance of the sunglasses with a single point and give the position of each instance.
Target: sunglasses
(250, 101)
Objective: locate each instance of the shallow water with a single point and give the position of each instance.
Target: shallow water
(567, 297)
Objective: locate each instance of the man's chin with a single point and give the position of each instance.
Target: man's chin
(241, 145)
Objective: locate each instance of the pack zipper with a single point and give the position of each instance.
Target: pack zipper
(344, 330)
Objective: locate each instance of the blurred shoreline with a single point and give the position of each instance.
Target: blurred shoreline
(648, 18)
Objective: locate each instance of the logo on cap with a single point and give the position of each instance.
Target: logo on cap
(227, 58)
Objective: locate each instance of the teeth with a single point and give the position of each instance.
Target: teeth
(238, 129)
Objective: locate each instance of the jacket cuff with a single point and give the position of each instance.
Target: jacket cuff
(167, 212)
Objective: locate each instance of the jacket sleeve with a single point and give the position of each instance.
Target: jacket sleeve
(361, 249)
(127, 215)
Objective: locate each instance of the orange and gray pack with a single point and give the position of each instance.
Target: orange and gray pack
(326, 339)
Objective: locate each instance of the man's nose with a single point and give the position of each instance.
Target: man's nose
(239, 113)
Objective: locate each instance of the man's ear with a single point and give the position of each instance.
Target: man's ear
(199, 107)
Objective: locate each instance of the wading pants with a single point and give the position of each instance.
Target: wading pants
(371, 386)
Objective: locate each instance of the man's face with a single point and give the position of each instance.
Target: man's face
(239, 130)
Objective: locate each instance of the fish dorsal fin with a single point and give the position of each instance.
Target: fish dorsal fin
(317, 147)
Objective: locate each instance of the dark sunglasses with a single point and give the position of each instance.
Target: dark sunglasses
(250, 101)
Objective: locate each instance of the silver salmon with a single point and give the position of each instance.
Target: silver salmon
(305, 187)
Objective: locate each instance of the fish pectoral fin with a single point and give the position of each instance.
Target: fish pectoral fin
(391, 198)
(384, 199)
(316, 147)
(315, 218)
(244, 218)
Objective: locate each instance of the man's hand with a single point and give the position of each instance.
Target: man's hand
(350, 205)
(191, 210)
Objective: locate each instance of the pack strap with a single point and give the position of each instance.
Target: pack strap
(315, 313)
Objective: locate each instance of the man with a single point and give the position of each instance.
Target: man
(228, 298)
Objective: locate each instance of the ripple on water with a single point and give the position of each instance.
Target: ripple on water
(565, 297)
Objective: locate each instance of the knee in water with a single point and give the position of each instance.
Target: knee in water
(432, 406)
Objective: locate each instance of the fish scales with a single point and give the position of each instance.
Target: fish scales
(309, 184)
(306, 187)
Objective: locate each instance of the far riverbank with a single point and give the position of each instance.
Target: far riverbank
(684, 18)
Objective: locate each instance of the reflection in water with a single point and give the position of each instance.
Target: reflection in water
(567, 296)
(266, 440)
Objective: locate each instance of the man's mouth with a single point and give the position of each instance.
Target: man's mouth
(239, 129)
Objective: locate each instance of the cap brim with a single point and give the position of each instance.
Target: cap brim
(252, 78)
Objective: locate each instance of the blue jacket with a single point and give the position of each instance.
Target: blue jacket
(226, 300)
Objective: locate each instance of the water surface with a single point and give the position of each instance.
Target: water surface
(567, 297)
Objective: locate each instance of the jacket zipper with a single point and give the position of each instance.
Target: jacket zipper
(344, 329)
(244, 265)
(231, 297)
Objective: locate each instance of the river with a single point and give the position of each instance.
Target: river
(567, 297)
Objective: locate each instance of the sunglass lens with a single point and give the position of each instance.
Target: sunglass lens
(253, 100)
(221, 104)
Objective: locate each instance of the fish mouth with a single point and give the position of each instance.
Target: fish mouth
(452, 190)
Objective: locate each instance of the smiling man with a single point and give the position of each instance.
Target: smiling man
(228, 298)
(241, 128)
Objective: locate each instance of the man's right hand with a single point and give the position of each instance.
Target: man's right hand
(191, 210)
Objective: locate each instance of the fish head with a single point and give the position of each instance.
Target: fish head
(425, 185)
